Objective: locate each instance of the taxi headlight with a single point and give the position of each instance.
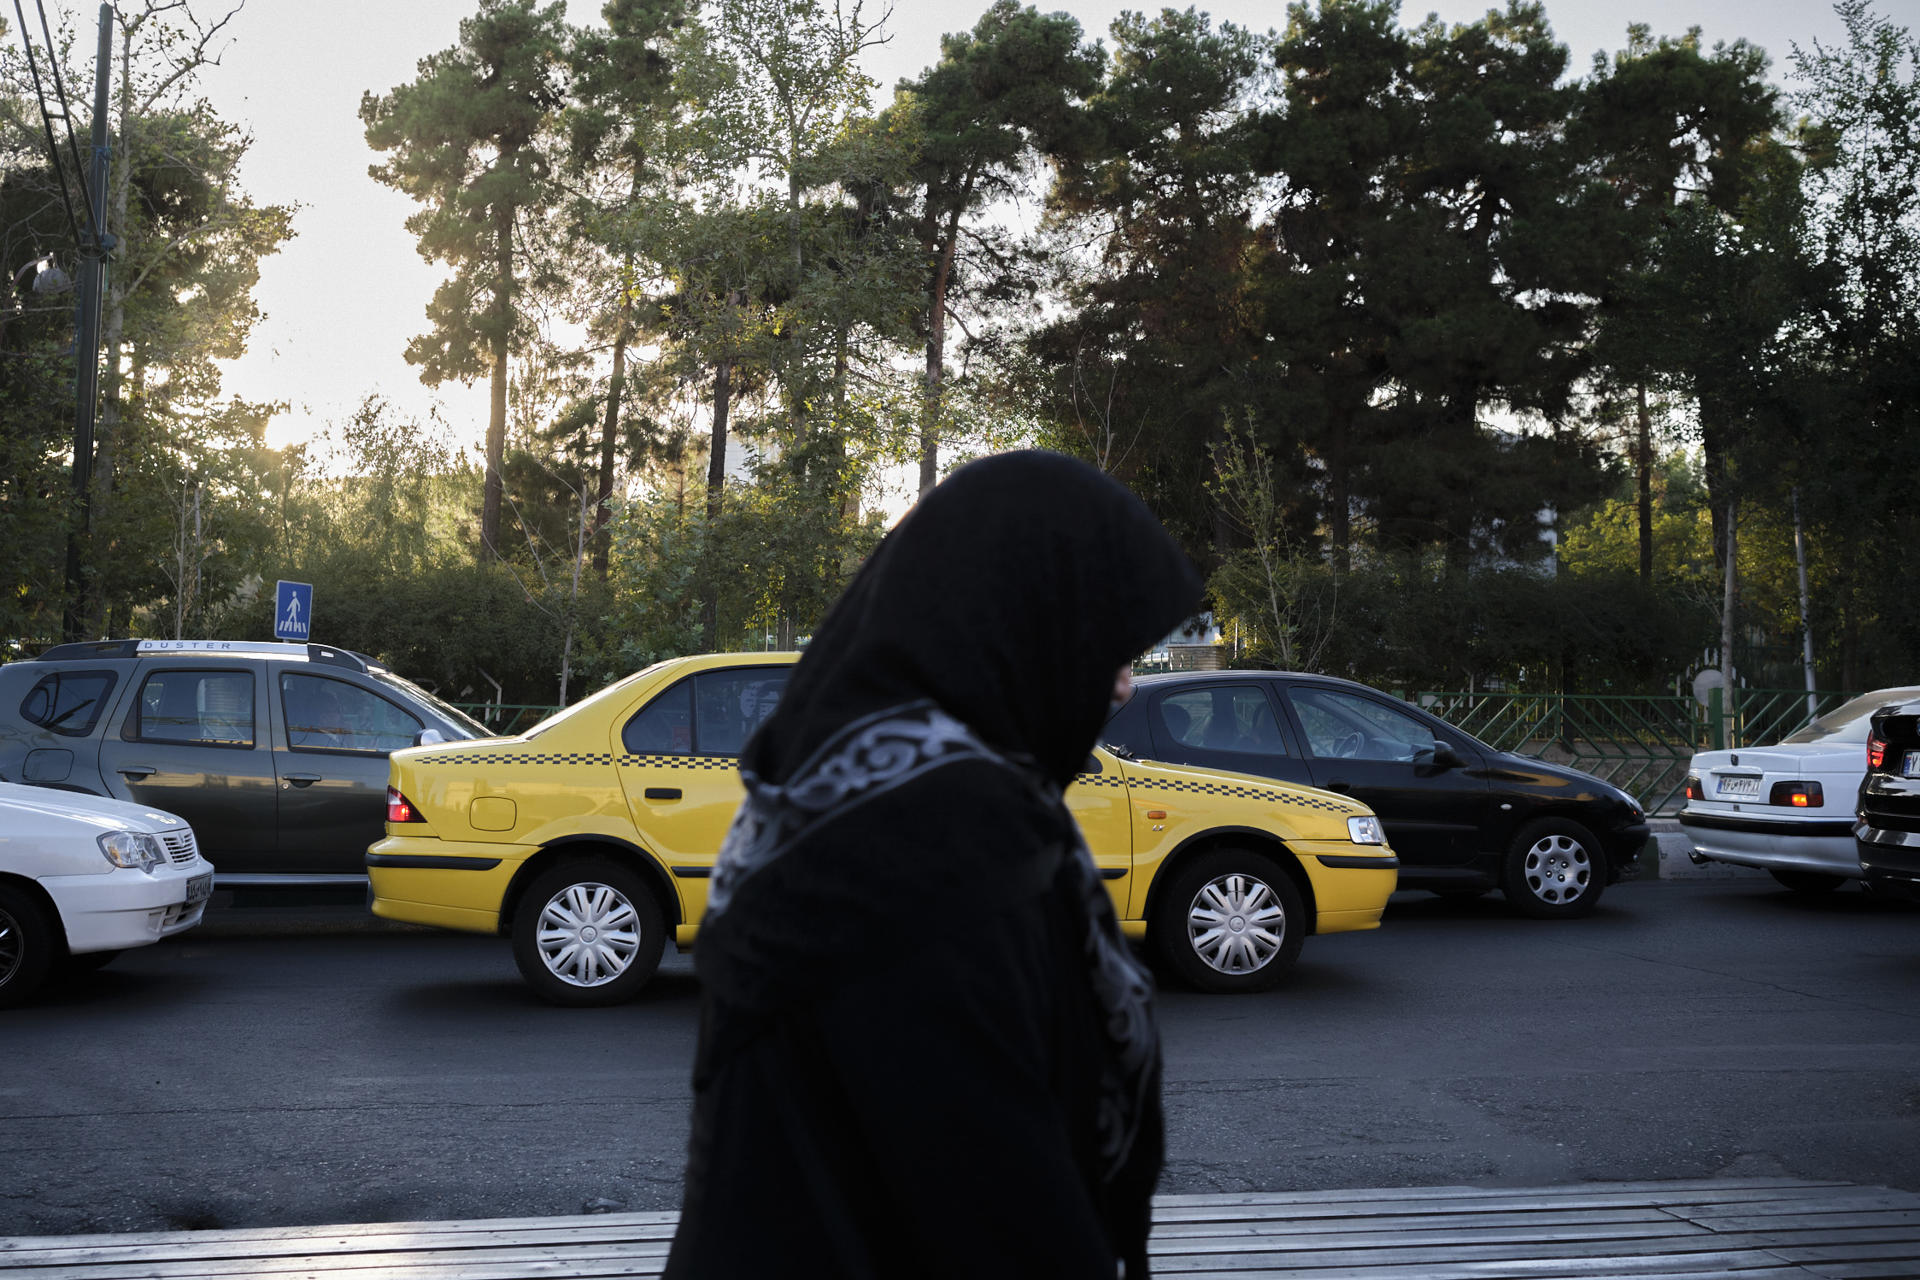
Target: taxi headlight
(135, 850)
(1366, 830)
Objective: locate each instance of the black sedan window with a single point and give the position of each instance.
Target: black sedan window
(1234, 718)
(1345, 726)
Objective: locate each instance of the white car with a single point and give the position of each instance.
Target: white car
(82, 878)
(1788, 808)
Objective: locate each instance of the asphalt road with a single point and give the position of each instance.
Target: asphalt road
(282, 1067)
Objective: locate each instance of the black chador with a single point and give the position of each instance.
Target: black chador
(925, 1050)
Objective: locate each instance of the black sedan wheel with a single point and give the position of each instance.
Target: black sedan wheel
(588, 933)
(27, 945)
(1554, 870)
(1230, 921)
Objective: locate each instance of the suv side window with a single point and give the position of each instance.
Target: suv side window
(1345, 726)
(1236, 718)
(332, 715)
(730, 705)
(68, 702)
(207, 708)
(664, 727)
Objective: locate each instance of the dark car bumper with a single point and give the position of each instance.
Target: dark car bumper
(1623, 846)
(1889, 860)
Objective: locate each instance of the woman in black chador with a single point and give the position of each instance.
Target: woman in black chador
(925, 1050)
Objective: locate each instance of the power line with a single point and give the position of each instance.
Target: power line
(46, 120)
(66, 114)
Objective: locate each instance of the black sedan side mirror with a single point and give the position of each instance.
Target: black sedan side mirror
(1444, 756)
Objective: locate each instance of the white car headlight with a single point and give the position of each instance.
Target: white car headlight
(135, 850)
(1366, 830)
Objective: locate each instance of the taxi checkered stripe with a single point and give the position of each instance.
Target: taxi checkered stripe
(1219, 789)
(588, 758)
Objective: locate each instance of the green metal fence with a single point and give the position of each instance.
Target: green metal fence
(1641, 744)
(506, 717)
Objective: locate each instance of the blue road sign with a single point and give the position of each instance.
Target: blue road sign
(293, 610)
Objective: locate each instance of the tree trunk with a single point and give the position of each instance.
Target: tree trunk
(610, 430)
(1643, 462)
(1458, 429)
(1340, 491)
(497, 406)
(931, 397)
(1727, 601)
(716, 487)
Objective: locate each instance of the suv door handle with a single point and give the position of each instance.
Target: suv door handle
(300, 779)
(661, 793)
(135, 772)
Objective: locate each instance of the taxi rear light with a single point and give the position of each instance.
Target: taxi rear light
(1800, 795)
(1876, 753)
(400, 809)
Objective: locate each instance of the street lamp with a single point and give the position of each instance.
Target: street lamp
(47, 278)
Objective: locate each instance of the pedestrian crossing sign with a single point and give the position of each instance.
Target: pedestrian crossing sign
(293, 611)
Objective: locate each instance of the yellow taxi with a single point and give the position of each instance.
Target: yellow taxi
(591, 836)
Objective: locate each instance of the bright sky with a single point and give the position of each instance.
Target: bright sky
(343, 298)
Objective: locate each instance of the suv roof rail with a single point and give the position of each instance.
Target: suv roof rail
(95, 649)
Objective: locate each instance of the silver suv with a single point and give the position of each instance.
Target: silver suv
(276, 754)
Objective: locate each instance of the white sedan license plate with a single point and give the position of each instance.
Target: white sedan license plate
(199, 888)
(1741, 788)
(1912, 768)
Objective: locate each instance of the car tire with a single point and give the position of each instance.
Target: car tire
(1194, 928)
(1555, 870)
(87, 961)
(28, 942)
(1808, 884)
(588, 933)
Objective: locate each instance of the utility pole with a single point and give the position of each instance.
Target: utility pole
(86, 341)
(1806, 605)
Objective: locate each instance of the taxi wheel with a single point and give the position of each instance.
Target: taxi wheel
(588, 933)
(27, 944)
(1554, 870)
(1230, 921)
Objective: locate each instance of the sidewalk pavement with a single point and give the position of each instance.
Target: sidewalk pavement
(1749, 1228)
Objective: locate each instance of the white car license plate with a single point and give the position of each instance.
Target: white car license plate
(1742, 788)
(1911, 768)
(199, 888)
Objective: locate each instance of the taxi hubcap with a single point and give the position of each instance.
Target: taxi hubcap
(1558, 869)
(588, 934)
(1236, 923)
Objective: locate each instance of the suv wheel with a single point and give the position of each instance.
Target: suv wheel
(1230, 921)
(1808, 884)
(27, 944)
(1554, 870)
(588, 932)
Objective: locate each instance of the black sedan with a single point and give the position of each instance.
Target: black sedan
(1887, 832)
(1463, 817)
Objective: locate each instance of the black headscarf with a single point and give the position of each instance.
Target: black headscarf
(1009, 596)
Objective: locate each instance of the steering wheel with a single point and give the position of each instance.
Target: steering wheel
(1349, 745)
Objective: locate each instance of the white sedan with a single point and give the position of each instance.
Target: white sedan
(1788, 808)
(82, 878)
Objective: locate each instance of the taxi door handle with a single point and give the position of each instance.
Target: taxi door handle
(135, 772)
(300, 779)
(661, 793)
